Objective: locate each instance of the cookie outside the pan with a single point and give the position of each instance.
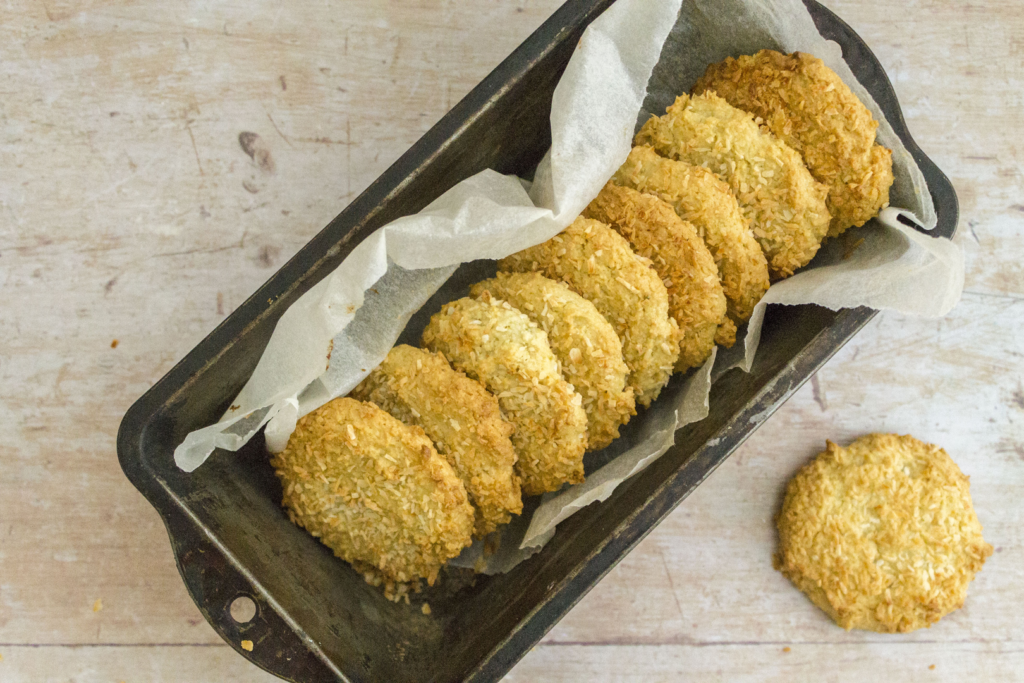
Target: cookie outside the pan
(882, 534)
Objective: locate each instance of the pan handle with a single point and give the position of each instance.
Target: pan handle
(215, 584)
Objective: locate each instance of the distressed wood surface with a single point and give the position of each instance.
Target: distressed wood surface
(129, 211)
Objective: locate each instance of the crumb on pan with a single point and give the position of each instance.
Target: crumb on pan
(598, 264)
(395, 591)
(808, 107)
(775, 191)
(585, 344)
(374, 491)
(682, 260)
(701, 198)
(881, 535)
(462, 419)
(502, 348)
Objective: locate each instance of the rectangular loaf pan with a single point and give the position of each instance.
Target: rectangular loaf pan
(316, 619)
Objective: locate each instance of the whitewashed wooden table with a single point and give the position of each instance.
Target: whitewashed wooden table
(129, 212)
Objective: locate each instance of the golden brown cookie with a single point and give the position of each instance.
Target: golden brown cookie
(776, 192)
(703, 199)
(598, 264)
(462, 419)
(374, 491)
(881, 535)
(584, 343)
(808, 107)
(509, 354)
(681, 259)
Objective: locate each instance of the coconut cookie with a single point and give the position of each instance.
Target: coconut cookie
(374, 491)
(808, 107)
(509, 354)
(882, 534)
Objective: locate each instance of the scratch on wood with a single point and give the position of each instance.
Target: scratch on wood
(197, 250)
(671, 585)
(279, 131)
(398, 49)
(195, 149)
(970, 226)
(323, 141)
(819, 395)
(46, 9)
(62, 374)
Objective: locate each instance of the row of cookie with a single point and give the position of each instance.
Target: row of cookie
(521, 379)
(566, 346)
(673, 253)
(569, 336)
(771, 154)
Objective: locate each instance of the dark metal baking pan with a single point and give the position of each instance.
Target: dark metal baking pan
(316, 619)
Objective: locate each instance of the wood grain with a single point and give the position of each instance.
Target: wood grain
(129, 210)
(129, 664)
(771, 663)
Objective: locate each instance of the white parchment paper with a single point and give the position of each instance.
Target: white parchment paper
(631, 62)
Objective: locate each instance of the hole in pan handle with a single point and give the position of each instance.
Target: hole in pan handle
(237, 610)
(242, 609)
